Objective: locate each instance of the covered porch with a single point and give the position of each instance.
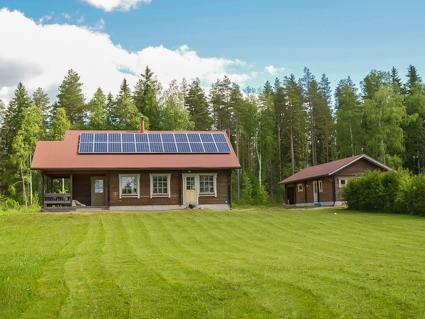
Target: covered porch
(63, 191)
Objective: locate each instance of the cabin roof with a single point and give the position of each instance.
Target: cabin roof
(64, 155)
(330, 168)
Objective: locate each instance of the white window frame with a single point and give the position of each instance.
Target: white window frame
(137, 183)
(300, 188)
(320, 185)
(214, 175)
(345, 179)
(152, 195)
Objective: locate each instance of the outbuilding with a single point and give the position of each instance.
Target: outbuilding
(323, 184)
(136, 170)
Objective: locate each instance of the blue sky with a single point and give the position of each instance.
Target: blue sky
(338, 38)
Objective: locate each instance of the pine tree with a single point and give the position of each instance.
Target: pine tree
(125, 111)
(97, 113)
(413, 80)
(41, 100)
(395, 80)
(112, 121)
(60, 124)
(146, 98)
(220, 102)
(71, 98)
(197, 105)
(295, 124)
(348, 119)
(326, 122)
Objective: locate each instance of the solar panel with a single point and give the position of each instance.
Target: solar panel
(210, 148)
(101, 142)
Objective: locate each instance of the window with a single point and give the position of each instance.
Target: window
(160, 185)
(300, 188)
(320, 186)
(98, 186)
(129, 185)
(207, 184)
(190, 183)
(342, 182)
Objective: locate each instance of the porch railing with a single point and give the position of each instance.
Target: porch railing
(57, 199)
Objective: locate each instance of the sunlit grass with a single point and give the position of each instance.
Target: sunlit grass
(249, 263)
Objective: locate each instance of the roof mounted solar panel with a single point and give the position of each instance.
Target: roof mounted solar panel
(153, 142)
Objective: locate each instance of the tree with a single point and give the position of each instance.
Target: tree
(373, 82)
(295, 124)
(12, 124)
(413, 80)
(174, 114)
(414, 130)
(71, 98)
(223, 114)
(24, 143)
(384, 114)
(60, 124)
(348, 119)
(124, 112)
(97, 113)
(146, 98)
(395, 80)
(197, 105)
(41, 100)
(2, 113)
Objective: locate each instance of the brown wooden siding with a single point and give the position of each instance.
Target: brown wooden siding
(81, 190)
(222, 191)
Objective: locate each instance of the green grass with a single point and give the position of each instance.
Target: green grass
(268, 263)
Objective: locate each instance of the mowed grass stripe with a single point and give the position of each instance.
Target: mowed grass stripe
(264, 263)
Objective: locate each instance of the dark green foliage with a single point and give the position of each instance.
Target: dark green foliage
(97, 113)
(146, 100)
(197, 105)
(71, 98)
(387, 191)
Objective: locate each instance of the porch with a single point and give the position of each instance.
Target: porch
(65, 191)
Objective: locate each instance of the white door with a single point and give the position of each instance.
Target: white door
(190, 189)
(315, 191)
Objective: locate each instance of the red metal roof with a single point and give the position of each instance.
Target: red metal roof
(59, 155)
(328, 168)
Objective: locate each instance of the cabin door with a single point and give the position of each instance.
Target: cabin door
(315, 191)
(190, 189)
(98, 191)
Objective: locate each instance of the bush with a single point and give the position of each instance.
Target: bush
(8, 203)
(388, 192)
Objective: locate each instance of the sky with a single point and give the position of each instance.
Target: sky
(251, 41)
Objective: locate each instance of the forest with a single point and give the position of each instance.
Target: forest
(288, 124)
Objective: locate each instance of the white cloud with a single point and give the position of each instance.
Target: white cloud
(272, 70)
(40, 55)
(111, 5)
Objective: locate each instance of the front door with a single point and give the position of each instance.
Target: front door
(98, 191)
(190, 190)
(315, 191)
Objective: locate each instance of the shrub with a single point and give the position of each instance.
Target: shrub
(373, 191)
(8, 203)
(413, 197)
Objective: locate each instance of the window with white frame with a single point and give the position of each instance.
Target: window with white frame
(342, 182)
(207, 184)
(160, 185)
(129, 185)
(320, 186)
(300, 188)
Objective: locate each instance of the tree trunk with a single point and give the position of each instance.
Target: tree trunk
(30, 182)
(24, 192)
(292, 152)
(239, 170)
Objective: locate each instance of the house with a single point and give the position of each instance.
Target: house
(136, 170)
(323, 184)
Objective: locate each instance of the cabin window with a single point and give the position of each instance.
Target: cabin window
(207, 184)
(160, 185)
(342, 182)
(300, 188)
(129, 185)
(320, 187)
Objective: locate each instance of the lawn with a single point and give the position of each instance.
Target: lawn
(250, 263)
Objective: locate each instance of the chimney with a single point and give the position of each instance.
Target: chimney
(142, 125)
